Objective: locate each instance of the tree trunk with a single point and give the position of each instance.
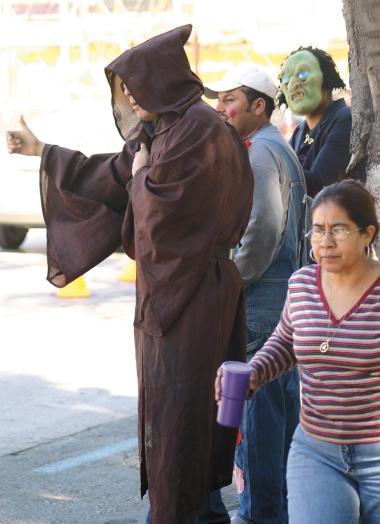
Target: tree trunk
(362, 19)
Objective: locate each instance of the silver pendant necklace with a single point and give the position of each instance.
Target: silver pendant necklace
(325, 345)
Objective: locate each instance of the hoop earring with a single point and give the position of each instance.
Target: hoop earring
(367, 252)
(311, 255)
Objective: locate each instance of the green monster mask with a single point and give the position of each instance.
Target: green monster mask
(301, 82)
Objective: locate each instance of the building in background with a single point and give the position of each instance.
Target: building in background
(52, 52)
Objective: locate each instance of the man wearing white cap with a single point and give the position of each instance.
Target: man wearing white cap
(269, 252)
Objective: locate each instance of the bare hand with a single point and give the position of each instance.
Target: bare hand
(253, 385)
(252, 388)
(141, 159)
(218, 384)
(24, 142)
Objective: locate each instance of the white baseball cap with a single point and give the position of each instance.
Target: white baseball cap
(243, 75)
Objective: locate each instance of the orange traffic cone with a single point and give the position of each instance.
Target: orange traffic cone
(76, 289)
(128, 273)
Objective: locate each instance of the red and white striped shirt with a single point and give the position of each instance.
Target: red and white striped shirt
(340, 388)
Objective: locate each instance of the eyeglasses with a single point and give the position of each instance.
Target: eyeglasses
(337, 233)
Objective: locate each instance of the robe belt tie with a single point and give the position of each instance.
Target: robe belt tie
(222, 252)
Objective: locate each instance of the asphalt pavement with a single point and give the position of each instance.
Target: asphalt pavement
(68, 428)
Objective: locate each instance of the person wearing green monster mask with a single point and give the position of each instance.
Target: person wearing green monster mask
(308, 78)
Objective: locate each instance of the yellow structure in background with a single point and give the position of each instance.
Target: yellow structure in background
(128, 273)
(76, 289)
(52, 52)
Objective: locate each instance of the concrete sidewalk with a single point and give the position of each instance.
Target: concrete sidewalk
(66, 364)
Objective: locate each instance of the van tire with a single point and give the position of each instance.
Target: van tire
(11, 237)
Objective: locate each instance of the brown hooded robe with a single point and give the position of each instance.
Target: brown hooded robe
(189, 204)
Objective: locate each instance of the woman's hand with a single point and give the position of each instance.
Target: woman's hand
(141, 159)
(24, 142)
(218, 384)
(252, 387)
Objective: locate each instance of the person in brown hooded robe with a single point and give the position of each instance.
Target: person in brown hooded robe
(188, 204)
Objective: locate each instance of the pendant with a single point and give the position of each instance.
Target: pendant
(324, 347)
(308, 140)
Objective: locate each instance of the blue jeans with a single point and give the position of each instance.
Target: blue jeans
(331, 483)
(269, 421)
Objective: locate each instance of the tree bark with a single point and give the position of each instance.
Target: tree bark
(362, 19)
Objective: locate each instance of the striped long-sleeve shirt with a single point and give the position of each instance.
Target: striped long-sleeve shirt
(340, 388)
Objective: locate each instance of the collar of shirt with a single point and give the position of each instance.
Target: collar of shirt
(249, 138)
(306, 136)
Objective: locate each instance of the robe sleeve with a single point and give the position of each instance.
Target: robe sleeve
(83, 201)
(178, 203)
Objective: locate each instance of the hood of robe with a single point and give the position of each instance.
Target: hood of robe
(158, 76)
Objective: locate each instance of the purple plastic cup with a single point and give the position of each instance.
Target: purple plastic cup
(230, 412)
(235, 379)
(234, 386)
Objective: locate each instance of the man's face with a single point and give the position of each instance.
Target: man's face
(140, 112)
(234, 106)
(301, 83)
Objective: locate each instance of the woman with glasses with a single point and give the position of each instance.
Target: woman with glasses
(330, 328)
